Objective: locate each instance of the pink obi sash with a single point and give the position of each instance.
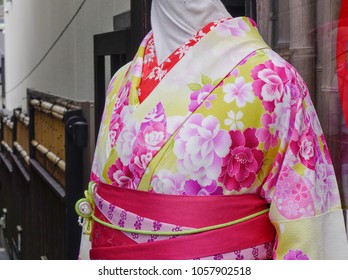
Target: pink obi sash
(160, 212)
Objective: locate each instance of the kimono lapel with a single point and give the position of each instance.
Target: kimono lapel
(213, 57)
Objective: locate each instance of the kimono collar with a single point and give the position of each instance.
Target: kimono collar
(175, 22)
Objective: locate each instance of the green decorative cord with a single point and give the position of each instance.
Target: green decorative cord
(177, 233)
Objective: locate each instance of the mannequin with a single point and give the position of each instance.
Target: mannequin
(175, 22)
(197, 151)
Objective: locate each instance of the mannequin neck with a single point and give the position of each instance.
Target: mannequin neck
(175, 22)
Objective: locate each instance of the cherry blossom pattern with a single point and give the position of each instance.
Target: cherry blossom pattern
(292, 196)
(200, 146)
(243, 162)
(157, 73)
(234, 121)
(239, 91)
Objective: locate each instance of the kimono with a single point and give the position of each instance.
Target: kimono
(217, 153)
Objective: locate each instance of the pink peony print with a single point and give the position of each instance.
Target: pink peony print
(153, 128)
(121, 176)
(295, 255)
(127, 141)
(141, 159)
(166, 182)
(269, 83)
(303, 146)
(239, 91)
(268, 134)
(194, 188)
(156, 115)
(152, 137)
(93, 177)
(243, 162)
(123, 96)
(119, 113)
(138, 140)
(148, 137)
(199, 96)
(200, 146)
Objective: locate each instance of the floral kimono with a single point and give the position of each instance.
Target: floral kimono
(217, 153)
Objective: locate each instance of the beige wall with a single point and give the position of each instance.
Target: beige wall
(32, 26)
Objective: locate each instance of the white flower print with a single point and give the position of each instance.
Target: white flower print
(168, 183)
(239, 91)
(200, 147)
(157, 73)
(307, 212)
(148, 58)
(126, 140)
(182, 51)
(234, 120)
(199, 36)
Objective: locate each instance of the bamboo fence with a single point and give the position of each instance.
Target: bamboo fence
(7, 141)
(21, 143)
(49, 130)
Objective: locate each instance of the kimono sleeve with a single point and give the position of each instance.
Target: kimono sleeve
(103, 145)
(301, 187)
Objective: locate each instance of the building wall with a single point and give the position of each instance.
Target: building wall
(32, 27)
